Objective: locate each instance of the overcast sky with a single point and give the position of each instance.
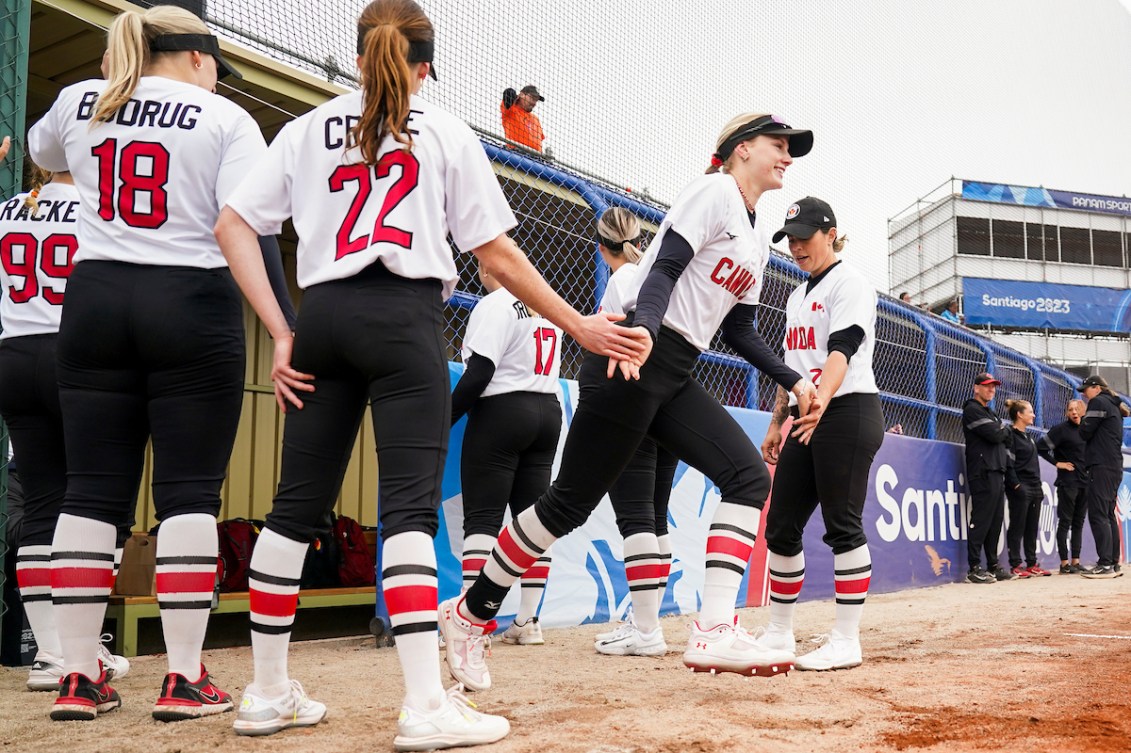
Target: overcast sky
(901, 95)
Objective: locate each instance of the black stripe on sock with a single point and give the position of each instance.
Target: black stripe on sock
(795, 574)
(533, 584)
(80, 599)
(854, 570)
(484, 552)
(395, 570)
(651, 587)
(525, 539)
(77, 555)
(415, 627)
(638, 557)
(35, 597)
(204, 604)
(741, 570)
(783, 600)
(186, 559)
(842, 600)
(734, 529)
(32, 558)
(274, 580)
(259, 627)
(506, 568)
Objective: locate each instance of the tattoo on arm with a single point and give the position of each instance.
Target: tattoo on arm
(781, 407)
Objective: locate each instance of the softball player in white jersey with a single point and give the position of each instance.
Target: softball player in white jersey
(830, 336)
(37, 244)
(509, 391)
(375, 182)
(704, 269)
(151, 343)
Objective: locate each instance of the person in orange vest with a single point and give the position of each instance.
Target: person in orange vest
(520, 124)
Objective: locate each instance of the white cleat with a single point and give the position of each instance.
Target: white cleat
(775, 638)
(628, 640)
(259, 715)
(454, 724)
(465, 646)
(729, 648)
(837, 651)
(116, 666)
(527, 634)
(45, 673)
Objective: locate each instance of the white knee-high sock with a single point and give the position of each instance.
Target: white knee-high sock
(520, 544)
(33, 576)
(82, 570)
(533, 585)
(187, 548)
(476, 550)
(853, 573)
(409, 582)
(273, 581)
(787, 574)
(665, 550)
(730, 543)
(642, 570)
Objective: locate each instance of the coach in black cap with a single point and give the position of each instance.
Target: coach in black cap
(986, 460)
(805, 218)
(1102, 430)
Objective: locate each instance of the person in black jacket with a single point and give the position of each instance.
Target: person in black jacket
(1024, 492)
(1063, 447)
(1102, 429)
(986, 445)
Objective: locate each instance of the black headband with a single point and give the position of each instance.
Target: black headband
(418, 52)
(194, 43)
(612, 245)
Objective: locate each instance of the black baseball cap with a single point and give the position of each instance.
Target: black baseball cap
(1095, 380)
(806, 217)
(985, 378)
(532, 90)
(198, 43)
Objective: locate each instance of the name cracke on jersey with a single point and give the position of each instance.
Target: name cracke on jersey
(839, 300)
(525, 348)
(36, 257)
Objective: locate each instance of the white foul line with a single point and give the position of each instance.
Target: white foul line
(1090, 635)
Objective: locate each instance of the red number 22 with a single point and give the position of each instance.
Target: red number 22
(401, 187)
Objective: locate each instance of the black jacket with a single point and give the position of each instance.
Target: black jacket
(1063, 444)
(1102, 429)
(986, 440)
(1024, 468)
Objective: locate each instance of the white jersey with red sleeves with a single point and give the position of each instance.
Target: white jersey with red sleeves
(348, 214)
(525, 348)
(840, 299)
(36, 253)
(153, 178)
(621, 285)
(730, 258)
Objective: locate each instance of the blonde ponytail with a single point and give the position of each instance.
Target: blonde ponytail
(619, 231)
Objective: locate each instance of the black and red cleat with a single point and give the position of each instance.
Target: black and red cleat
(181, 699)
(82, 699)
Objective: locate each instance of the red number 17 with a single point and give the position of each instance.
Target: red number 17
(544, 367)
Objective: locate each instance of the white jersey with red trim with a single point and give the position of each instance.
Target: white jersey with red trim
(349, 215)
(153, 178)
(729, 262)
(840, 299)
(621, 285)
(525, 348)
(36, 257)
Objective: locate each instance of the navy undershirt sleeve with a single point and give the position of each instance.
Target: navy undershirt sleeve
(846, 341)
(652, 301)
(739, 333)
(273, 260)
(476, 376)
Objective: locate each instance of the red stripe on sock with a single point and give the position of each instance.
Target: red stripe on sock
(411, 599)
(175, 583)
(474, 565)
(33, 577)
(643, 572)
(727, 545)
(513, 552)
(857, 586)
(273, 605)
(82, 577)
(785, 589)
(540, 572)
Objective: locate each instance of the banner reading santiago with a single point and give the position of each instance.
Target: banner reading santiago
(1015, 303)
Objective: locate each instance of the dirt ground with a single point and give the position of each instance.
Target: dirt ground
(1033, 665)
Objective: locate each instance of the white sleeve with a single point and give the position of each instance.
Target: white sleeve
(244, 148)
(695, 216)
(263, 197)
(45, 140)
(488, 330)
(852, 301)
(476, 209)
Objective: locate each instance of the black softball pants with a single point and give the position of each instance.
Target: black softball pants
(832, 470)
(1024, 517)
(667, 404)
(987, 511)
(508, 454)
(149, 353)
(641, 492)
(1100, 501)
(1070, 513)
(376, 340)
